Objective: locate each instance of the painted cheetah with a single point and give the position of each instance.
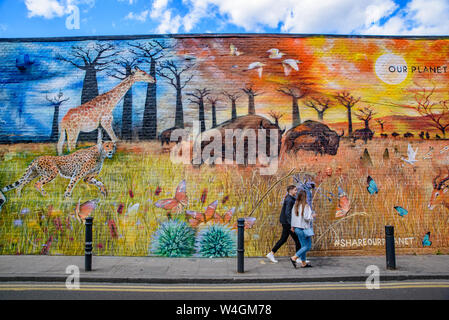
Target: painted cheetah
(83, 164)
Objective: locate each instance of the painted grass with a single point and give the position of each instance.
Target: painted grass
(28, 222)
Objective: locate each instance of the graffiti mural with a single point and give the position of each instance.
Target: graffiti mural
(167, 140)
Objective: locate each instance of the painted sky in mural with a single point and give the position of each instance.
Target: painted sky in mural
(373, 69)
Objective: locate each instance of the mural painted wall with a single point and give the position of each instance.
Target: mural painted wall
(360, 123)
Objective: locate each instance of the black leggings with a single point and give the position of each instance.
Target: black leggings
(286, 231)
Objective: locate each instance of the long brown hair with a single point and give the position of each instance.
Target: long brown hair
(301, 199)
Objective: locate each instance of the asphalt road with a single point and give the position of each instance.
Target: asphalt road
(403, 290)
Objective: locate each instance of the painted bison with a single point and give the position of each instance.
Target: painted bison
(312, 136)
(362, 134)
(247, 125)
(165, 135)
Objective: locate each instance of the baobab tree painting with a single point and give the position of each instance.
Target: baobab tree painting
(364, 119)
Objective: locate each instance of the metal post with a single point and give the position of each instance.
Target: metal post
(240, 244)
(389, 247)
(88, 246)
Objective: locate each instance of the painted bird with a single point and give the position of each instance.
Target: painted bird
(275, 53)
(426, 241)
(290, 64)
(82, 211)
(258, 66)
(402, 212)
(411, 155)
(372, 186)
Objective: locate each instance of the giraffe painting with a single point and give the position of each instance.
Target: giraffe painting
(88, 116)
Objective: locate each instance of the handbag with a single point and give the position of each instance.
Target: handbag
(309, 232)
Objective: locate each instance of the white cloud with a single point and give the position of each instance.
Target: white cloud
(419, 17)
(142, 17)
(44, 8)
(158, 8)
(312, 16)
(169, 24)
(50, 9)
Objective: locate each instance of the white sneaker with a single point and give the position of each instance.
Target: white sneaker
(270, 257)
(298, 261)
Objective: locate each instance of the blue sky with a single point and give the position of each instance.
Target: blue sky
(47, 18)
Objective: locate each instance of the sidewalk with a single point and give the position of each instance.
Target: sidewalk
(201, 270)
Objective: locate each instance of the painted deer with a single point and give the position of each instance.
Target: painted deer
(440, 193)
(88, 116)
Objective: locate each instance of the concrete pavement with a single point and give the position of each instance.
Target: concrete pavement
(221, 270)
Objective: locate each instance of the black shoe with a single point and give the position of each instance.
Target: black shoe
(307, 266)
(294, 263)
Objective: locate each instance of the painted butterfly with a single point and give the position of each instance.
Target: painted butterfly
(426, 241)
(402, 212)
(249, 223)
(372, 186)
(176, 204)
(196, 218)
(82, 211)
(225, 218)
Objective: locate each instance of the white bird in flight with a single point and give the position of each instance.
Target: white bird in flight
(290, 64)
(411, 155)
(258, 66)
(275, 54)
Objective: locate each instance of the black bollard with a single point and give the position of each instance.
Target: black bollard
(389, 248)
(88, 246)
(240, 244)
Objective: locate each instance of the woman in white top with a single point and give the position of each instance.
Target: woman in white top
(302, 216)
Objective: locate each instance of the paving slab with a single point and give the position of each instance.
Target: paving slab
(219, 270)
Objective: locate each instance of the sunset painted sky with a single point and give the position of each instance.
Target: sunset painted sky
(329, 66)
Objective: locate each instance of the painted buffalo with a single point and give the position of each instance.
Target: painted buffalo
(312, 136)
(362, 134)
(245, 123)
(165, 135)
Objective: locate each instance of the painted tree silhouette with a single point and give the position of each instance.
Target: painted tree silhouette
(213, 101)
(91, 59)
(437, 113)
(199, 96)
(56, 102)
(126, 66)
(320, 105)
(150, 52)
(233, 97)
(348, 101)
(276, 115)
(381, 123)
(296, 92)
(365, 114)
(173, 73)
(251, 93)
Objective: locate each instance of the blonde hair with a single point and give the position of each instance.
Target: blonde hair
(301, 199)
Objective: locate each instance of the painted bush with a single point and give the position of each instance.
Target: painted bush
(216, 241)
(361, 119)
(173, 238)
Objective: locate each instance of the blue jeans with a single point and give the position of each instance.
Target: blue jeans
(306, 244)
